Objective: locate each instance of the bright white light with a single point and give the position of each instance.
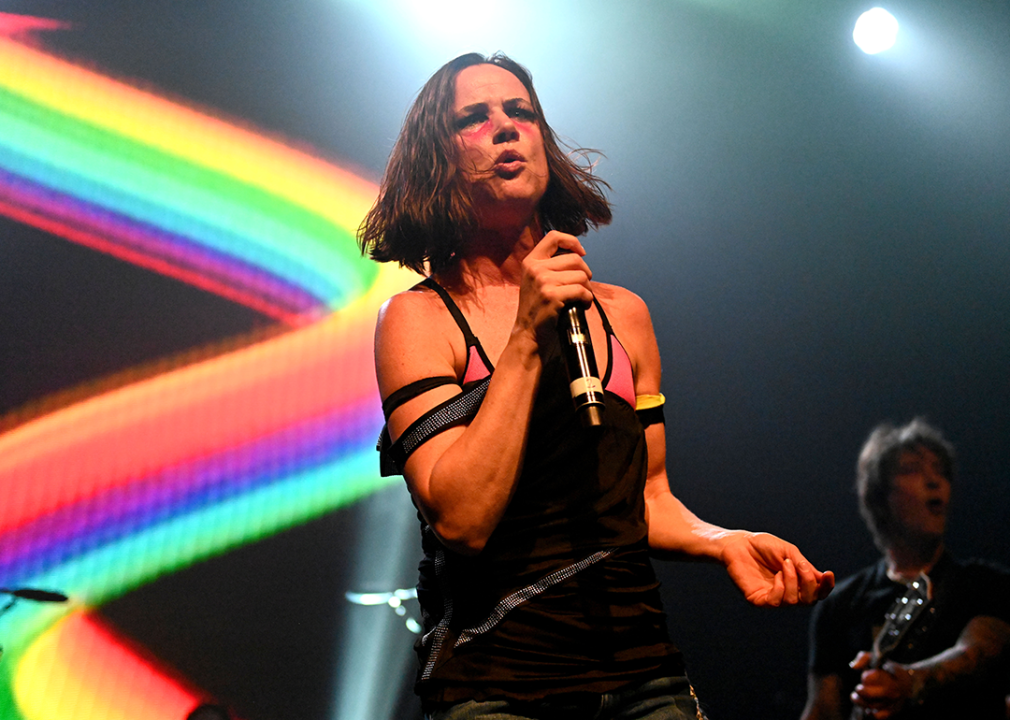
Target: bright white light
(376, 654)
(875, 31)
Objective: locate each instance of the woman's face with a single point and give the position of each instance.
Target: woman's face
(501, 150)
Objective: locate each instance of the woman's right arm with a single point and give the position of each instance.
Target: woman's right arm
(463, 478)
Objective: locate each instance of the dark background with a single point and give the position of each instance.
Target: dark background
(823, 238)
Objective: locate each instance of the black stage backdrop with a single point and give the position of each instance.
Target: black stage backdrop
(823, 238)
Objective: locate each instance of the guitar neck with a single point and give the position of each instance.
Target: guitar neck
(898, 620)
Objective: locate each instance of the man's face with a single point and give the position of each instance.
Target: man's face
(920, 496)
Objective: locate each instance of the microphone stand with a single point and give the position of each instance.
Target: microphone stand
(28, 594)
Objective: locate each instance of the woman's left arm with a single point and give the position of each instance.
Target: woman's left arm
(768, 570)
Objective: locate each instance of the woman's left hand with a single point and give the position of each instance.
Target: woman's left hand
(772, 572)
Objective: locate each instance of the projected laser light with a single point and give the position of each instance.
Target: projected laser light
(876, 31)
(82, 157)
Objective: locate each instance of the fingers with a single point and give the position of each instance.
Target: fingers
(876, 695)
(791, 592)
(773, 572)
(812, 584)
(554, 275)
(803, 583)
(861, 661)
(879, 690)
(768, 596)
(809, 587)
(826, 584)
(560, 282)
(554, 241)
(871, 708)
(778, 590)
(558, 251)
(556, 271)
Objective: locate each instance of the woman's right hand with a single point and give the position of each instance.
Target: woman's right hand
(463, 478)
(555, 274)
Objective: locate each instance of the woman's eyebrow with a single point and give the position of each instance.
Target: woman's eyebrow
(483, 105)
(471, 108)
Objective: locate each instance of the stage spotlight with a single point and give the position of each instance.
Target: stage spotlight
(875, 31)
(376, 661)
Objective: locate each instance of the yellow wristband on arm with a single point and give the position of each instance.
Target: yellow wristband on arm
(647, 402)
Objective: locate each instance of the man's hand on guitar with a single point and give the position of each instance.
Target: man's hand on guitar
(882, 692)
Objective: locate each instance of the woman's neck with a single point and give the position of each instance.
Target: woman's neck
(492, 257)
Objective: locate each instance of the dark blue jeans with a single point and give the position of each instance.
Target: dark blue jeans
(662, 699)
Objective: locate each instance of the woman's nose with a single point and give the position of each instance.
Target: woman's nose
(505, 129)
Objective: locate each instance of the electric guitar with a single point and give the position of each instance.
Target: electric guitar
(898, 620)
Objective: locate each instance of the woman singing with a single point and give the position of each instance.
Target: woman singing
(537, 589)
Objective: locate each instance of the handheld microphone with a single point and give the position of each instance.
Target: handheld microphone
(584, 379)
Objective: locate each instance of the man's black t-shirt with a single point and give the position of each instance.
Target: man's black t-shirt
(848, 619)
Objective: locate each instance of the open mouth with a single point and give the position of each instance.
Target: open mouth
(936, 506)
(509, 163)
(509, 156)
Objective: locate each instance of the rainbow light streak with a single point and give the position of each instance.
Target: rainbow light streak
(151, 247)
(186, 416)
(112, 569)
(185, 488)
(112, 492)
(85, 690)
(144, 161)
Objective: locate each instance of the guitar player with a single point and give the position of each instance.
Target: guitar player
(952, 660)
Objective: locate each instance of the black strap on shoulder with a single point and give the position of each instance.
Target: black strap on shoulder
(454, 310)
(603, 317)
(412, 390)
(454, 411)
(464, 327)
(609, 332)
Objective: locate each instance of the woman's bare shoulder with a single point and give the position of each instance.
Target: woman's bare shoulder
(621, 303)
(415, 337)
(629, 316)
(418, 305)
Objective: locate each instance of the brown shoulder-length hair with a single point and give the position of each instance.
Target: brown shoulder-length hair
(424, 211)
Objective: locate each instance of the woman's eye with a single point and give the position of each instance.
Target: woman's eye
(470, 120)
(522, 113)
